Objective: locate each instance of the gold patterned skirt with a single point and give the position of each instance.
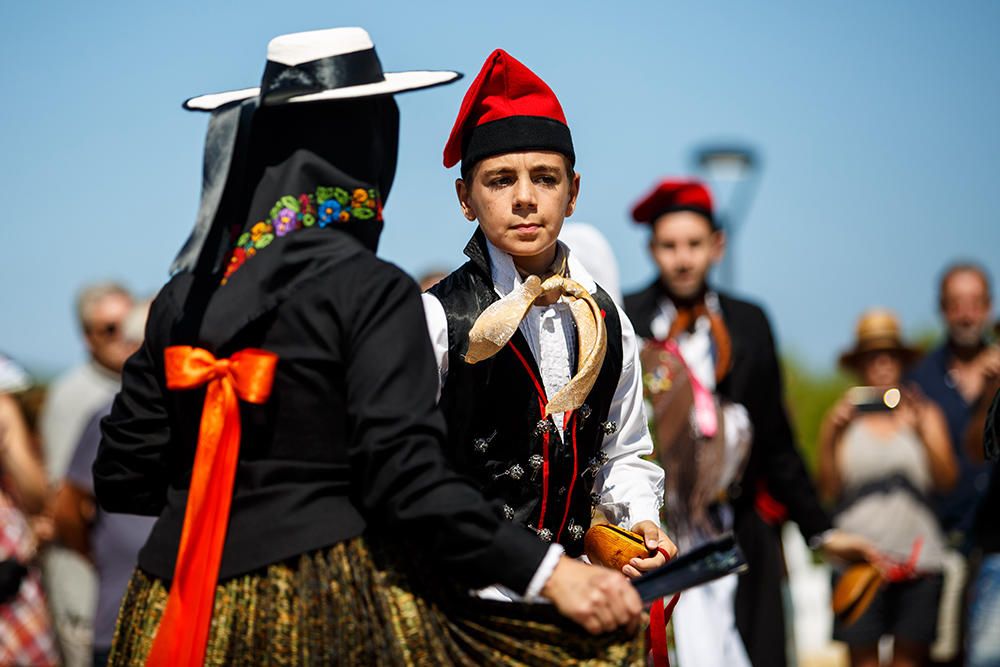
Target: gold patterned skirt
(348, 605)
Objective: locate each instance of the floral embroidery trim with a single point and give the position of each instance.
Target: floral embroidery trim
(322, 208)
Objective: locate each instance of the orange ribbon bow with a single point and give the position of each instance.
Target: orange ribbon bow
(248, 374)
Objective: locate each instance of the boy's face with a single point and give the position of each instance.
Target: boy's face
(685, 247)
(520, 201)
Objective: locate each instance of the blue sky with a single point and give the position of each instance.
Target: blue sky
(877, 123)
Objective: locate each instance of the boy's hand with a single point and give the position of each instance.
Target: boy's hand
(599, 599)
(655, 539)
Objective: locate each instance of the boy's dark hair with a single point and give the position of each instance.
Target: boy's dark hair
(466, 171)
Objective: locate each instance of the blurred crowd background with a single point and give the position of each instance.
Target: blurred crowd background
(852, 150)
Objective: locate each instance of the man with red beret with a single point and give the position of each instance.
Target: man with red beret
(728, 345)
(539, 369)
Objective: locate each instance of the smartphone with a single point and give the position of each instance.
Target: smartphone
(874, 399)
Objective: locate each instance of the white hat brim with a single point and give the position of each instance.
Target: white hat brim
(395, 82)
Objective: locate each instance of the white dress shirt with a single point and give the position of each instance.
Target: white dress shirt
(695, 346)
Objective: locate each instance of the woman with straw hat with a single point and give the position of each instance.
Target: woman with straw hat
(883, 448)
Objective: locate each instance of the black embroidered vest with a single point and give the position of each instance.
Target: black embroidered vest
(496, 433)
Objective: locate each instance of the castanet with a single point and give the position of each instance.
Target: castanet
(612, 546)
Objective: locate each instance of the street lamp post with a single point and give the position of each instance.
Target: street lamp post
(732, 172)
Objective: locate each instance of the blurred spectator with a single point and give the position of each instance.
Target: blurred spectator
(431, 278)
(956, 376)
(110, 541)
(72, 399)
(592, 248)
(727, 343)
(882, 450)
(983, 640)
(25, 627)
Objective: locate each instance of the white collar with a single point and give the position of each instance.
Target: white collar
(506, 277)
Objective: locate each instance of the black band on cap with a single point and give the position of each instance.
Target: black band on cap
(281, 82)
(516, 133)
(703, 212)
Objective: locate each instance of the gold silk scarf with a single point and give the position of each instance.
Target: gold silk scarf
(497, 324)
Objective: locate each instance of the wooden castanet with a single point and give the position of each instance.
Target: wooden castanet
(612, 546)
(855, 591)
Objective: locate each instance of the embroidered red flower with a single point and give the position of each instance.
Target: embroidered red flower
(235, 261)
(305, 202)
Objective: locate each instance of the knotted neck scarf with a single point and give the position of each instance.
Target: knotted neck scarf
(688, 313)
(496, 325)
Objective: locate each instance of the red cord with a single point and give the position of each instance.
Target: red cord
(542, 400)
(572, 480)
(659, 616)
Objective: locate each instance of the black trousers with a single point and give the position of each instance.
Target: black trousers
(760, 615)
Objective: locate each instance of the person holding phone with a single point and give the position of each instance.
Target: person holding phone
(883, 449)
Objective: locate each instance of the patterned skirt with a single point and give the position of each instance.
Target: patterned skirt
(349, 605)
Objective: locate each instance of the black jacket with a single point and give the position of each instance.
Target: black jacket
(349, 439)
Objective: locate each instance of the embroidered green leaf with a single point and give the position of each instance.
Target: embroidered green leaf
(264, 241)
(291, 202)
(362, 213)
(243, 239)
(341, 195)
(323, 193)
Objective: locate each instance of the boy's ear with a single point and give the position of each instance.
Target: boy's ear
(462, 191)
(718, 245)
(574, 192)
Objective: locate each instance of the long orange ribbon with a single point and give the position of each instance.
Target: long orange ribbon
(183, 633)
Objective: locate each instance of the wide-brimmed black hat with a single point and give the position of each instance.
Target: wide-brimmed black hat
(333, 64)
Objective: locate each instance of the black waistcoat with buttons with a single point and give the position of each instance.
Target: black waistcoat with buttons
(496, 433)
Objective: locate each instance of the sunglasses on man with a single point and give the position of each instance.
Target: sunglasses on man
(108, 330)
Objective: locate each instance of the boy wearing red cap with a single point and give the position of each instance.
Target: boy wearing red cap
(728, 346)
(540, 378)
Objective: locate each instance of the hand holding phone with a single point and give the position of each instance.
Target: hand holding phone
(867, 399)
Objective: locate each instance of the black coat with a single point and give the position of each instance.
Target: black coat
(349, 440)
(754, 380)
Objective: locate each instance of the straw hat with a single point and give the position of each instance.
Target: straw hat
(878, 331)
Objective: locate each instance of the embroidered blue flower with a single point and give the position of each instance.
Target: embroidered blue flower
(329, 211)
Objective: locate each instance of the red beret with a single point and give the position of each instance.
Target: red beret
(674, 194)
(507, 108)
